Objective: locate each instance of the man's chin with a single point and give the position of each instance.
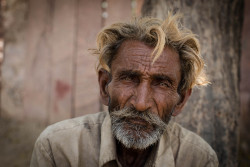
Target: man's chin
(136, 129)
(136, 137)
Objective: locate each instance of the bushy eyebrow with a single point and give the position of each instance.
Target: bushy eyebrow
(162, 77)
(134, 73)
(131, 73)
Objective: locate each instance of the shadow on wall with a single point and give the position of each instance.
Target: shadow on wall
(17, 141)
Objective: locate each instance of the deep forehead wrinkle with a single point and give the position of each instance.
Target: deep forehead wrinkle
(144, 64)
(135, 55)
(145, 51)
(154, 76)
(143, 61)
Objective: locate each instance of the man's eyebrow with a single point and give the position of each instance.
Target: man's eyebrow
(134, 73)
(129, 73)
(163, 77)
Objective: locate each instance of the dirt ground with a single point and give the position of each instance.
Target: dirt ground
(16, 142)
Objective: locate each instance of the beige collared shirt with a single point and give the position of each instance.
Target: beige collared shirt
(87, 141)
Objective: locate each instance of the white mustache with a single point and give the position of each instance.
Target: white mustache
(147, 116)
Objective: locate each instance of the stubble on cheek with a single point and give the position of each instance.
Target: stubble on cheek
(170, 107)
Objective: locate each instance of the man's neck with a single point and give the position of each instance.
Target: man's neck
(132, 157)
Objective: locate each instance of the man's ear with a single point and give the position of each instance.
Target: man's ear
(183, 99)
(104, 79)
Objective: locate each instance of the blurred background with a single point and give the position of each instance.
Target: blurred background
(47, 72)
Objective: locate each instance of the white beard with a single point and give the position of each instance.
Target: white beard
(136, 136)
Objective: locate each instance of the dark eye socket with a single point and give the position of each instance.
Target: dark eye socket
(129, 78)
(126, 78)
(162, 83)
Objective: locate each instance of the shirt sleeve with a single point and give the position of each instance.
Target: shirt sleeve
(42, 155)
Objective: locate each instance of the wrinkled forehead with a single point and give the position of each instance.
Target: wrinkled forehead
(135, 55)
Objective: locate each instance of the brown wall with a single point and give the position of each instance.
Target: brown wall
(48, 73)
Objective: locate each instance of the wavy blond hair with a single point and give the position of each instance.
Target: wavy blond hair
(158, 34)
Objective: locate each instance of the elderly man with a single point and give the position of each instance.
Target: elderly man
(147, 69)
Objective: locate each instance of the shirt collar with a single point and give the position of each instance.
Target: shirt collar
(165, 156)
(108, 147)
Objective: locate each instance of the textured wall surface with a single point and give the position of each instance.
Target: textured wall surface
(48, 73)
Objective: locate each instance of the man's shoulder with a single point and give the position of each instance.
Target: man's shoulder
(67, 141)
(185, 135)
(192, 143)
(85, 122)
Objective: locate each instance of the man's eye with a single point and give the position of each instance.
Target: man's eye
(130, 78)
(164, 84)
(126, 78)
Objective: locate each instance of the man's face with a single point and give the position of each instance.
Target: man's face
(146, 89)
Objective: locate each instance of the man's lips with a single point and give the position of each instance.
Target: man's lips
(138, 121)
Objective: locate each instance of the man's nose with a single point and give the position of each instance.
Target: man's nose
(142, 97)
